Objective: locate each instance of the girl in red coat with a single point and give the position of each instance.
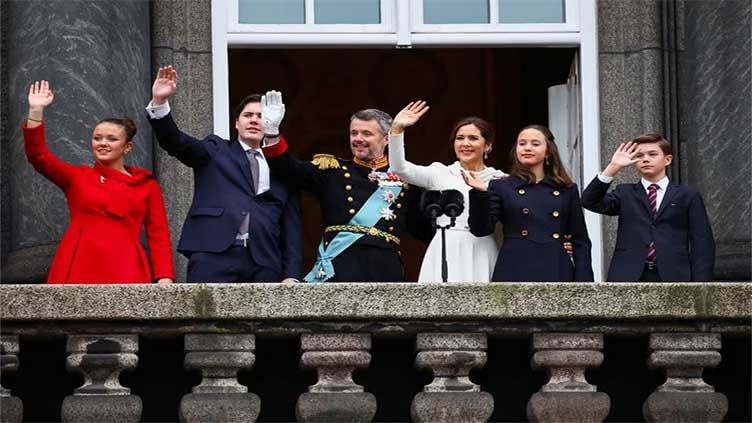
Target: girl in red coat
(109, 204)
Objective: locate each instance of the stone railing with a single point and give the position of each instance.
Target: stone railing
(451, 325)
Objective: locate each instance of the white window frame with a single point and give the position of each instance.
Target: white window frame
(386, 25)
(570, 24)
(584, 35)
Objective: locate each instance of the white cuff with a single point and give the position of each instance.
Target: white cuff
(158, 112)
(605, 179)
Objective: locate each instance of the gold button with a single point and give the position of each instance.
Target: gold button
(391, 229)
(555, 235)
(523, 232)
(352, 211)
(344, 167)
(348, 187)
(399, 206)
(556, 193)
(347, 175)
(402, 194)
(349, 199)
(521, 192)
(373, 231)
(555, 214)
(525, 210)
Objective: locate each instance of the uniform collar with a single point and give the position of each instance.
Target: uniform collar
(375, 164)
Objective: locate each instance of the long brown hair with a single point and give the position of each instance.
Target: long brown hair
(554, 169)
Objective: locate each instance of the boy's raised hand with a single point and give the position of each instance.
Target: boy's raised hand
(623, 156)
(165, 85)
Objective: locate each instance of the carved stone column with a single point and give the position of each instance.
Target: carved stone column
(11, 408)
(101, 358)
(219, 397)
(451, 396)
(335, 397)
(685, 397)
(567, 397)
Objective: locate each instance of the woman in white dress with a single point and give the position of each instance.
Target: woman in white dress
(469, 258)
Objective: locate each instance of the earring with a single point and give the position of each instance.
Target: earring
(547, 162)
(485, 155)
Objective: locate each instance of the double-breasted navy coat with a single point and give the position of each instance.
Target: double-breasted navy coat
(536, 218)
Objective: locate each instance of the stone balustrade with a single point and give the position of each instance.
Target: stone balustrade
(451, 326)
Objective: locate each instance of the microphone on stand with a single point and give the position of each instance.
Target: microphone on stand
(435, 203)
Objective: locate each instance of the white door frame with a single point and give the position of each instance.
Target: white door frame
(584, 34)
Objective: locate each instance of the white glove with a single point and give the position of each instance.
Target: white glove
(272, 112)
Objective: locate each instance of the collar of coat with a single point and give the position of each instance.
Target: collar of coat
(138, 175)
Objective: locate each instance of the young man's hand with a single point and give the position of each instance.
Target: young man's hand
(165, 85)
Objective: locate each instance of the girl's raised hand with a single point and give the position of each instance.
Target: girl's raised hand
(40, 95)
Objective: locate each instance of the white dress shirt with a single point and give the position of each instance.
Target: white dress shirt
(662, 185)
(162, 110)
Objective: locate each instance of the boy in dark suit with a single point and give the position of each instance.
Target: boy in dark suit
(664, 232)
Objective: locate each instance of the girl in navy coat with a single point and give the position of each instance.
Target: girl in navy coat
(539, 206)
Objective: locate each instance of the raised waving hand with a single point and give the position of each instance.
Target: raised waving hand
(40, 96)
(165, 85)
(623, 156)
(408, 116)
(473, 182)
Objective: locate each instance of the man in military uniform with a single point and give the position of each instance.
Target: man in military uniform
(363, 205)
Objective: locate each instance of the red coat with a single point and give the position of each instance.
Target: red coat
(107, 210)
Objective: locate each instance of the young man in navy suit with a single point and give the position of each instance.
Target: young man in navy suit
(664, 232)
(243, 225)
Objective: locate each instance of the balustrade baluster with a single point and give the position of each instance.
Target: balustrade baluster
(219, 397)
(101, 358)
(335, 397)
(11, 408)
(567, 397)
(684, 397)
(451, 396)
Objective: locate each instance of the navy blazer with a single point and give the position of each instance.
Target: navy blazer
(684, 246)
(223, 195)
(536, 219)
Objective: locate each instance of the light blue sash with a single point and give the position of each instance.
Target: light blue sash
(368, 215)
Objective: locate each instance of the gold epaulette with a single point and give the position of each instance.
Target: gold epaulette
(325, 161)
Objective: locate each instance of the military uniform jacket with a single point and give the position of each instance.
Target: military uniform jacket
(342, 190)
(536, 218)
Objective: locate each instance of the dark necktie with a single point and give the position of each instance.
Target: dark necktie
(253, 161)
(652, 197)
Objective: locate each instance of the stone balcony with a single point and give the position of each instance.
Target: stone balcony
(545, 352)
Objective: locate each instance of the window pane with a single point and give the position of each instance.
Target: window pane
(455, 11)
(531, 11)
(271, 11)
(347, 11)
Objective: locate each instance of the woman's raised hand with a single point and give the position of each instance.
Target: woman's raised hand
(472, 181)
(165, 85)
(40, 95)
(408, 116)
